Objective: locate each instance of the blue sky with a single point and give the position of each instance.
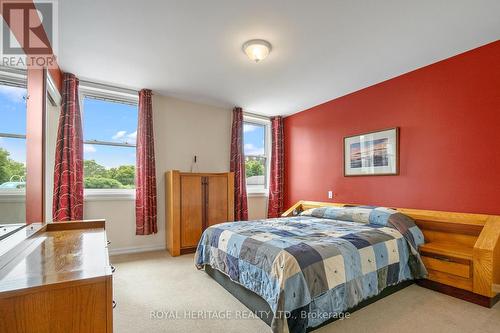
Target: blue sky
(109, 121)
(13, 120)
(102, 120)
(254, 138)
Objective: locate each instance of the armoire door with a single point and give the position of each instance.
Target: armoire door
(191, 210)
(217, 199)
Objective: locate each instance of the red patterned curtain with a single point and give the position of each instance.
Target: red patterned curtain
(238, 167)
(276, 183)
(145, 172)
(68, 169)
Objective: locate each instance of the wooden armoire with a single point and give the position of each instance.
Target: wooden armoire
(195, 201)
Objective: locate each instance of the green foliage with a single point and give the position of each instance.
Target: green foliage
(125, 174)
(99, 182)
(9, 167)
(4, 160)
(254, 168)
(92, 169)
(97, 176)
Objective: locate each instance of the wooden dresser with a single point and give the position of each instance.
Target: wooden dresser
(195, 201)
(461, 251)
(56, 278)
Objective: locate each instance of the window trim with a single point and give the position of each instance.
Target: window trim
(105, 194)
(107, 92)
(53, 94)
(112, 94)
(13, 78)
(266, 122)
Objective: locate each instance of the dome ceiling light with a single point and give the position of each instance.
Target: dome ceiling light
(257, 49)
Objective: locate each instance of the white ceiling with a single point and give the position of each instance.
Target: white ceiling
(322, 49)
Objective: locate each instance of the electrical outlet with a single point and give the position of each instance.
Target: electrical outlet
(330, 194)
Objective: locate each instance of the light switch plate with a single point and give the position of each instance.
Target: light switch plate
(330, 194)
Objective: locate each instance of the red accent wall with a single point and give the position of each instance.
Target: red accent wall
(449, 119)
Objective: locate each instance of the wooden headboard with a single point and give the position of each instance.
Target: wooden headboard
(473, 238)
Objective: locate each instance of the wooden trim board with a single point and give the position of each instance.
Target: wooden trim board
(466, 295)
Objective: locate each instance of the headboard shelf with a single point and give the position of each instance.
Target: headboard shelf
(452, 250)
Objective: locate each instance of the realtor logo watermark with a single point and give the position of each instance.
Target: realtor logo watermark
(29, 33)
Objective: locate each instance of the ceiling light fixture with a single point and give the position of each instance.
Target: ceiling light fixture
(257, 49)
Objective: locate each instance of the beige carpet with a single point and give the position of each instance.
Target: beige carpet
(157, 282)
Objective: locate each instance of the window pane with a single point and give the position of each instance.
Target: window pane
(12, 164)
(12, 110)
(255, 159)
(109, 121)
(107, 167)
(12, 154)
(255, 169)
(254, 139)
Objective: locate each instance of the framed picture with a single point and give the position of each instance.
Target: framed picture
(372, 154)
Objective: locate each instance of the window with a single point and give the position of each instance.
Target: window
(12, 138)
(109, 136)
(256, 133)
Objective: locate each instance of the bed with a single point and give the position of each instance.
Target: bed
(310, 269)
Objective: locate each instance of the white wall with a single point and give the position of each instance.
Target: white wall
(182, 130)
(120, 225)
(257, 207)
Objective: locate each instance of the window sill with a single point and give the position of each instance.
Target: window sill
(254, 194)
(12, 196)
(109, 195)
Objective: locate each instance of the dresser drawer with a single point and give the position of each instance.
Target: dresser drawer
(449, 265)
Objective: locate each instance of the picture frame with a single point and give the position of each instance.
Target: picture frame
(372, 154)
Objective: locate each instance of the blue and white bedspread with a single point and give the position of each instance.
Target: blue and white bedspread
(313, 267)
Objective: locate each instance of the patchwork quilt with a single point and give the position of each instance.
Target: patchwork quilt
(313, 267)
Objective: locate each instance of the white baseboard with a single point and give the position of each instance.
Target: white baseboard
(136, 249)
